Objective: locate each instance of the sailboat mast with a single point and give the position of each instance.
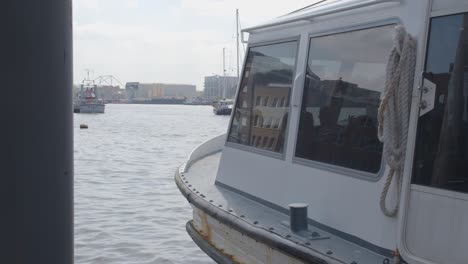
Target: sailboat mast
(237, 40)
(224, 61)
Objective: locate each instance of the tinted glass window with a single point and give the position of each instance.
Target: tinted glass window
(344, 79)
(268, 74)
(441, 155)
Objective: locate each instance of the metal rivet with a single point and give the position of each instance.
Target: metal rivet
(230, 210)
(197, 192)
(255, 222)
(329, 252)
(186, 181)
(242, 216)
(288, 236)
(315, 234)
(220, 205)
(211, 201)
(190, 185)
(353, 262)
(308, 243)
(271, 228)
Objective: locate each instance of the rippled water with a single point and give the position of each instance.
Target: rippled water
(127, 206)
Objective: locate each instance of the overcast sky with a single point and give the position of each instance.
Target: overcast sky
(170, 41)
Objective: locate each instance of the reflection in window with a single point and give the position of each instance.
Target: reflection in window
(441, 154)
(257, 144)
(345, 76)
(274, 123)
(270, 144)
(257, 103)
(267, 122)
(275, 102)
(270, 77)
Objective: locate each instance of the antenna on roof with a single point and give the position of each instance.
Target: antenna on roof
(237, 40)
(224, 61)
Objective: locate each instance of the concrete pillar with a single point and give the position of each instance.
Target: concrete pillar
(36, 94)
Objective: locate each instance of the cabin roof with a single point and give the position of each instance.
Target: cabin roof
(318, 9)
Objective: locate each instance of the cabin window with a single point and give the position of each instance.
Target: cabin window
(345, 76)
(270, 77)
(441, 154)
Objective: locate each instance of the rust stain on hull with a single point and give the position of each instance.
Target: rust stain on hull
(206, 229)
(206, 233)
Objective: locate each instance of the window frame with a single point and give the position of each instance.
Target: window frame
(456, 194)
(368, 176)
(254, 149)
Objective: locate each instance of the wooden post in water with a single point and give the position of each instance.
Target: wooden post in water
(38, 125)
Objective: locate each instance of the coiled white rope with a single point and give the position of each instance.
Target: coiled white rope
(394, 109)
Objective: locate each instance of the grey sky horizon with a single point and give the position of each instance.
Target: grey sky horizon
(163, 41)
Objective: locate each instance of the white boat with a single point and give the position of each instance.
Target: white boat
(88, 101)
(223, 107)
(339, 150)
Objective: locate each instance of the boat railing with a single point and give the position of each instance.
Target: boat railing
(206, 148)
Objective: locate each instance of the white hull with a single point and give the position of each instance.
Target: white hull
(92, 108)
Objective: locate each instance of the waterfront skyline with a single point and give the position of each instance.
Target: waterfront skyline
(163, 41)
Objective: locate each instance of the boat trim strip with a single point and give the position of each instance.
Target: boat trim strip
(353, 239)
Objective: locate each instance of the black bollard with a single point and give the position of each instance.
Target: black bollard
(298, 217)
(37, 95)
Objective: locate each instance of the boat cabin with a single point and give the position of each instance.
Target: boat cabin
(305, 126)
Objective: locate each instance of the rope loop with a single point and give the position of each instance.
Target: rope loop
(393, 113)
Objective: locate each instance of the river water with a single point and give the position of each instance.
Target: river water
(127, 206)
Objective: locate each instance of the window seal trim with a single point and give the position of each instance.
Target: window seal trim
(263, 152)
(355, 27)
(340, 170)
(447, 193)
(449, 11)
(363, 175)
(292, 38)
(255, 150)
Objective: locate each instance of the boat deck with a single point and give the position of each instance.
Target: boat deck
(270, 224)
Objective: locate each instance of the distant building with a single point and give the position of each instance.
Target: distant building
(152, 91)
(220, 87)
